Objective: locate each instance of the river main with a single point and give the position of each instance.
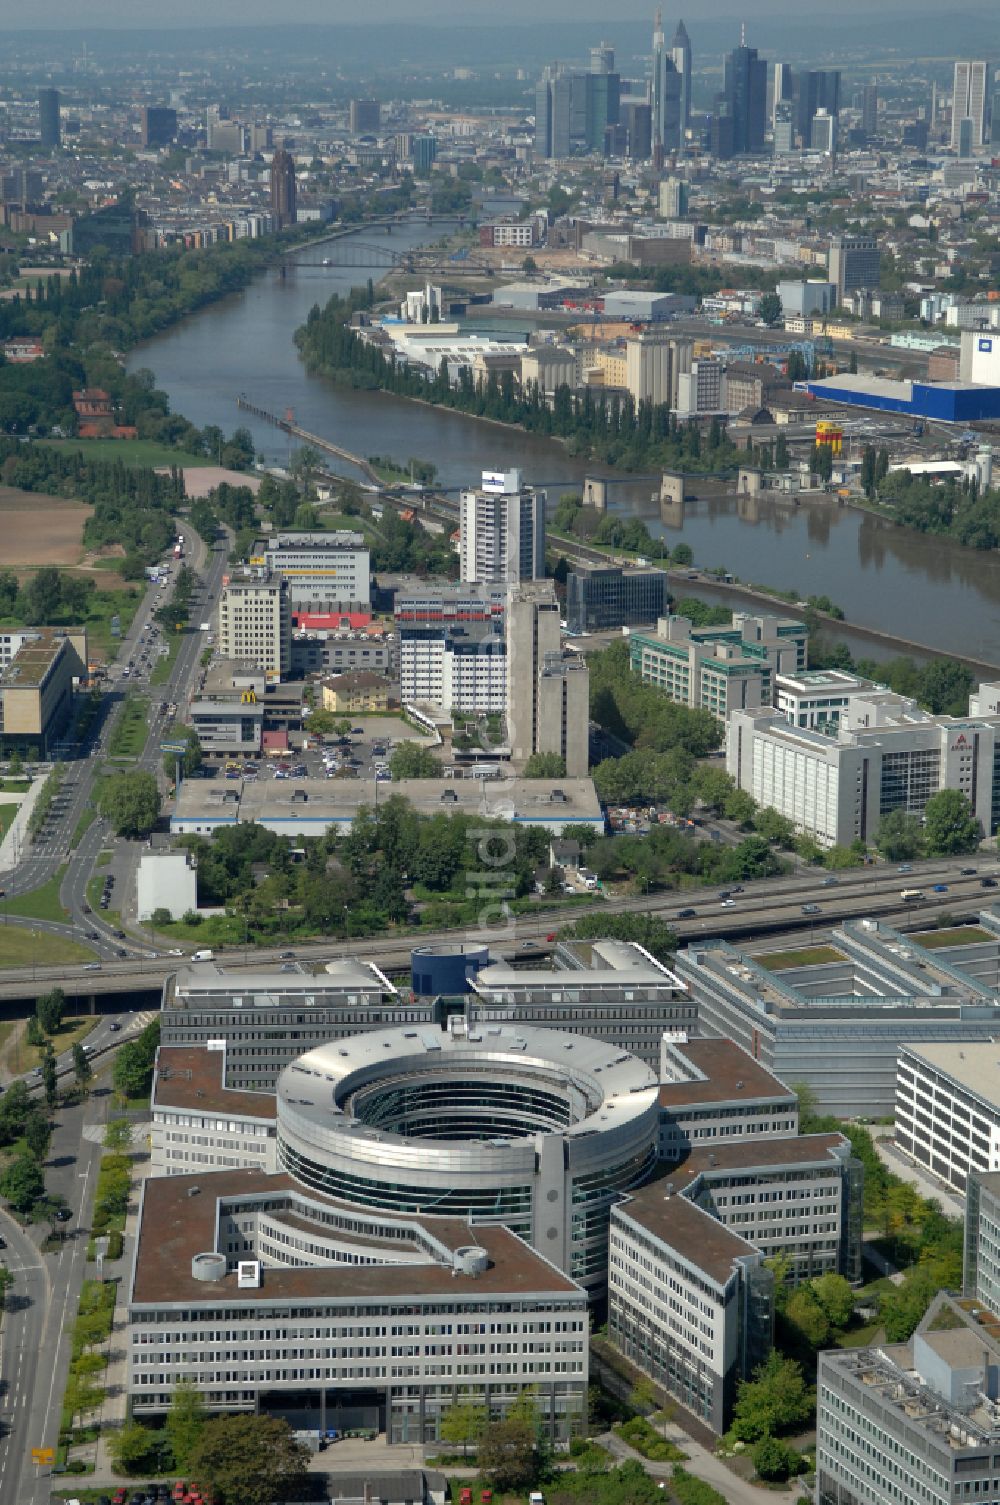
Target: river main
(927, 589)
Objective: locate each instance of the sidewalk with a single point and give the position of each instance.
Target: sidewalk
(15, 842)
(705, 1466)
(892, 1157)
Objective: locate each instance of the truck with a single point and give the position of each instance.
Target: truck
(909, 895)
(203, 956)
(205, 627)
(178, 551)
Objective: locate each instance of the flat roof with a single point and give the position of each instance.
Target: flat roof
(696, 1235)
(179, 1217)
(729, 1074)
(338, 800)
(191, 1077)
(757, 1154)
(39, 650)
(270, 987)
(975, 1067)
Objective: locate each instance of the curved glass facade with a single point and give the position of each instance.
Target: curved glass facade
(462, 1108)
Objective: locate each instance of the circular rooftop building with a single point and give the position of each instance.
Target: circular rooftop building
(532, 1128)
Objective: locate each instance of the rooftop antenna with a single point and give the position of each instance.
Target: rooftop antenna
(743, 33)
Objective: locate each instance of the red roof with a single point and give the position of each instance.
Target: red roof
(275, 741)
(330, 621)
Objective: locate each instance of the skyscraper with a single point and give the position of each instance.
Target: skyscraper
(853, 264)
(816, 89)
(869, 110)
(970, 101)
(602, 58)
(48, 118)
(159, 125)
(283, 187)
(744, 98)
(680, 51)
(502, 530)
(784, 90)
(665, 93)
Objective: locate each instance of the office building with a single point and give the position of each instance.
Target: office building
(303, 807)
(325, 571)
(690, 1297)
(783, 90)
(913, 1421)
(869, 110)
(637, 120)
(981, 1264)
(817, 698)
(364, 116)
(853, 264)
(699, 391)
(199, 1124)
(553, 113)
(948, 1097)
(674, 194)
(720, 669)
(255, 622)
(680, 53)
(971, 98)
(654, 362)
(263, 1020)
(36, 688)
(713, 1093)
(839, 1025)
(804, 299)
(744, 98)
(665, 93)
(603, 596)
(502, 531)
(602, 58)
(455, 667)
(228, 726)
(784, 129)
(823, 133)
(887, 754)
(159, 125)
(237, 1286)
(528, 1128)
(423, 150)
(49, 127)
(611, 991)
(815, 90)
(548, 695)
(283, 188)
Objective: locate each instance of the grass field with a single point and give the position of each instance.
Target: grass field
(807, 956)
(40, 904)
(163, 667)
(73, 1030)
(82, 826)
(130, 451)
(7, 813)
(131, 729)
(955, 935)
(18, 946)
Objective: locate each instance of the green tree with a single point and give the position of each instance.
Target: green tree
(899, 836)
(159, 918)
(118, 1134)
(775, 1400)
(649, 930)
(508, 1452)
(774, 827)
(253, 1459)
(131, 801)
(22, 1184)
(50, 1009)
(185, 1421)
(769, 308)
(774, 1460)
(411, 761)
(835, 1296)
(804, 1312)
(34, 1034)
(133, 1448)
(545, 765)
(81, 1395)
(464, 1423)
(682, 555)
(950, 828)
(49, 1077)
(37, 1134)
(82, 1069)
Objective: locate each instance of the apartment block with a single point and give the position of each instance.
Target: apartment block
(502, 531)
(255, 623)
(720, 669)
(548, 693)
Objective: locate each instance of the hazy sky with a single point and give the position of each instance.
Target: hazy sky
(133, 14)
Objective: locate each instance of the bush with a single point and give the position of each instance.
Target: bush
(775, 1461)
(692, 1491)
(643, 1436)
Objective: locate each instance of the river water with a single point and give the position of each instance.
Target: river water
(925, 589)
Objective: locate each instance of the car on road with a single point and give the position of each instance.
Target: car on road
(906, 868)
(120, 935)
(114, 1026)
(727, 903)
(967, 872)
(810, 909)
(939, 888)
(286, 956)
(686, 914)
(3, 1243)
(63, 1214)
(121, 951)
(829, 883)
(86, 909)
(987, 883)
(92, 967)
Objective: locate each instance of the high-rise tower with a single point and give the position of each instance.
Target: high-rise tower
(971, 101)
(665, 92)
(48, 118)
(283, 187)
(680, 52)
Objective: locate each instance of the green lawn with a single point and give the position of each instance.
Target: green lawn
(7, 813)
(14, 786)
(18, 945)
(131, 729)
(102, 606)
(82, 826)
(163, 667)
(956, 935)
(73, 1031)
(130, 451)
(806, 956)
(40, 904)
